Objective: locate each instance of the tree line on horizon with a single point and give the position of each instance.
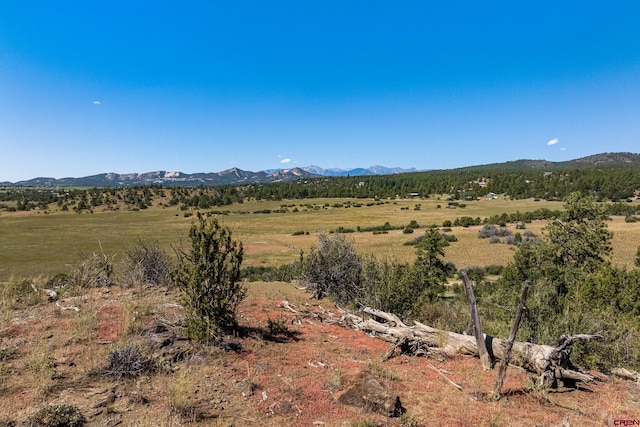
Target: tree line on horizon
(613, 184)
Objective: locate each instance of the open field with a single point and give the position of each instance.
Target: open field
(51, 356)
(37, 243)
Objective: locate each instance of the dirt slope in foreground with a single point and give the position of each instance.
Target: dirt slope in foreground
(287, 378)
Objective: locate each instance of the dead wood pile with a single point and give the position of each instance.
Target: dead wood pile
(551, 363)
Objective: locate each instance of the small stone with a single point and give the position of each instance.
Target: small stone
(286, 407)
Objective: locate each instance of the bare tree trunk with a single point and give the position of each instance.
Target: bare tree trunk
(497, 390)
(485, 358)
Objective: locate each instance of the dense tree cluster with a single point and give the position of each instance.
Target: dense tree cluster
(335, 269)
(133, 198)
(464, 184)
(575, 288)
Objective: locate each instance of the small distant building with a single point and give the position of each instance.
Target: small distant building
(480, 182)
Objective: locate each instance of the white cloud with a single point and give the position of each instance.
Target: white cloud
(554, 141)
(285, 160)
(97, 103)
(563, 149)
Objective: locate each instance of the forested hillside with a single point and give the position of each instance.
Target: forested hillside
(614, 176)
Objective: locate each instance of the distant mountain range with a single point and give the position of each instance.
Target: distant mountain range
(239, 176)
(229, 176)
(373, 170)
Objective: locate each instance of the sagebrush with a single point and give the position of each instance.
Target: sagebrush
(147, 263)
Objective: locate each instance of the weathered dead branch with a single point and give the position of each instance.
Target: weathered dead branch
(66, 307)
(412, 347)
(626, 374)
(443, 376)
(305, 313)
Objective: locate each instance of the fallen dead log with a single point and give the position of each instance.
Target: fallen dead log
(551, 363)
(626, 374)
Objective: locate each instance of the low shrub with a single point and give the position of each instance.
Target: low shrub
(333, 269)
(343, 230)
(58, 281)
(449, 238)
(494, 270)
(490, 231)
(58, 416)
(147, 263)
(276, 327)
(126, 362)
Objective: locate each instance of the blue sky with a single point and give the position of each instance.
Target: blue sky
(88, 87)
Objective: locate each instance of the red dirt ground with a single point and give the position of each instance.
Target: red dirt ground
(287, 381)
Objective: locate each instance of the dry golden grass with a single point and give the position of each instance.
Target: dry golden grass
(626, 241)
(34, 243)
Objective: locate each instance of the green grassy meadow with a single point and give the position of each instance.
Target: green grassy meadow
(36, 243)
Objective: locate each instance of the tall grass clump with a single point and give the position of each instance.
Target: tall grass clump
(17, 294)
(181, 392)
(95, 271)
(41, 368)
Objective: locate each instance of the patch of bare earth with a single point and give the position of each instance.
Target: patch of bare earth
(282, 370)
